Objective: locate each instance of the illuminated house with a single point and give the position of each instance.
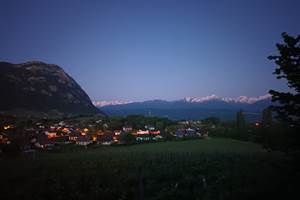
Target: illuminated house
(150, 127)
(105, 139)
(117, 132)
(155, 132)
(142, 138)
(84, 140)
(66, 130)
(62, 123)
(73, 136)
(147, 135)
(127, 129)
(50, 134)
(3, 139)
(6, 127)
(117, 135)
(141, 132)
(84, 131)
(157, 137)
(190, 132)
(143, 135)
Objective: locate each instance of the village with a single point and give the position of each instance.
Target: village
(49, 135)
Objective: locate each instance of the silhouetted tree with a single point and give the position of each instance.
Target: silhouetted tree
(240, 120)
(267, 118)
(127, 138)
(288, 67)
(159, 125)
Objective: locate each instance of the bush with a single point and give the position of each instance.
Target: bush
(127, 138)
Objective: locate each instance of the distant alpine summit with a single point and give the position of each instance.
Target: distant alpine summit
(38, 89)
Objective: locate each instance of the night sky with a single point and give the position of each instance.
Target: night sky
(154, 49)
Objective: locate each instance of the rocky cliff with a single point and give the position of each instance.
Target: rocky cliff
(43, 89)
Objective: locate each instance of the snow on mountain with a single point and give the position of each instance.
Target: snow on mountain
(213, 97)
(246, 99)
(110, 103)
(201, 99)
(240, 99)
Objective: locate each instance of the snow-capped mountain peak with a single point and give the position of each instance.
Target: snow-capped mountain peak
(201, 99)
(246, 99)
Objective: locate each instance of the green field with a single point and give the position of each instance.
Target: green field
(215, 145)
(191, 169)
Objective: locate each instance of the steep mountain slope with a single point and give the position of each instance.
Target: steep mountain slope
(37, 88)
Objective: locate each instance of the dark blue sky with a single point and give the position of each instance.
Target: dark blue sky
(154, 49)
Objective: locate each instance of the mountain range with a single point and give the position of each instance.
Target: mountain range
(39, 89)
(191, 107)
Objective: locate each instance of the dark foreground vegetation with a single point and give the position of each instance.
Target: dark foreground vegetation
(191, 169)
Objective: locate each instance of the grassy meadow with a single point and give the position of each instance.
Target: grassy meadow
(189, 169)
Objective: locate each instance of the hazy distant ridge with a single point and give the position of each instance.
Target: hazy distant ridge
(194, 107)
(240, 99)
